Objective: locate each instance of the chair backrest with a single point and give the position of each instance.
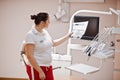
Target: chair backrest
(25, 60)
(23, 55)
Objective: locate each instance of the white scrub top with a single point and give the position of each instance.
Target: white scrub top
(43, 46)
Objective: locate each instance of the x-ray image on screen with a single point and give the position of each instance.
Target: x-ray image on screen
(91, 26)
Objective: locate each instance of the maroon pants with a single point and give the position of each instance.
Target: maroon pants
(47, 70)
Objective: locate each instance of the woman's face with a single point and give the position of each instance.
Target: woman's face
(47, 23)
(44, 24)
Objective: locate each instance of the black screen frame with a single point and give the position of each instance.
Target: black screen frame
(92, 28)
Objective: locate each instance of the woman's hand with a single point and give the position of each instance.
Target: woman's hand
(69, 34)
(42, 76)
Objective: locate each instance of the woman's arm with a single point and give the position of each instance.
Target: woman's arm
(61, 40)
(29, 48)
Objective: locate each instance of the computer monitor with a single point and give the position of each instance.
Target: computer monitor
(92, 28)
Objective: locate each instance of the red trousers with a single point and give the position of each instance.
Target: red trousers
(47, 70)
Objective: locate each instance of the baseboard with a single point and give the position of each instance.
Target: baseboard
(2, 78)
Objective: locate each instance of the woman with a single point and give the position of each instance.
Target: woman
(38, 48)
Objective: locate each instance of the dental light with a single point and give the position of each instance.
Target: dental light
(60, 12)
(114, 11)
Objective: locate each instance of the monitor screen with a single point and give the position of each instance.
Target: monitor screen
(92, 28)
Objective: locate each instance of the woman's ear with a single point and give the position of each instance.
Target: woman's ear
(42, 23)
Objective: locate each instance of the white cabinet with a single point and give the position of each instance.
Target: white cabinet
(106, 68)
(61, 61)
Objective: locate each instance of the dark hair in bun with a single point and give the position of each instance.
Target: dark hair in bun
(33, 17)
(39, 17)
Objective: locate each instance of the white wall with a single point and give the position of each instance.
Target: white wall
(15, 22)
